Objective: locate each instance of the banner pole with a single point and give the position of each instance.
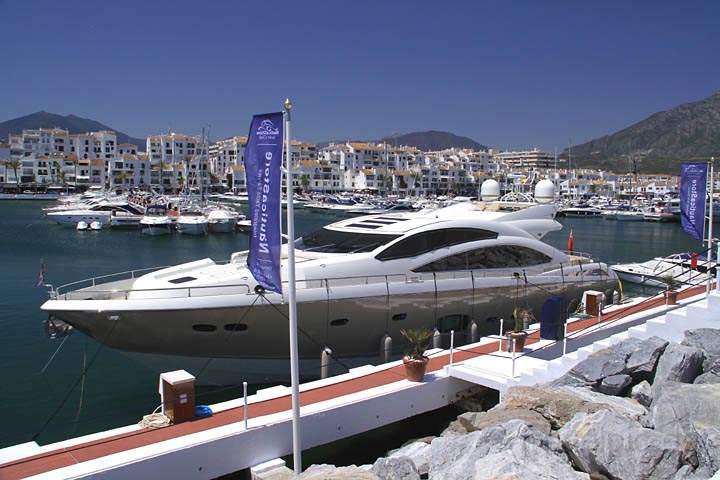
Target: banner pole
(292, 310)
(710, 223)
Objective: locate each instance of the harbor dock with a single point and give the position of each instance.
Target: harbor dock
(236, 438)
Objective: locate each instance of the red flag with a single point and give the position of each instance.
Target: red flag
(571, 242)
(693, 260)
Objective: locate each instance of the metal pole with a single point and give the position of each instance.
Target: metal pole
(501, 335)
(245, 412)
(565, 339)
(452, 345)
(294, 363)
(512, 346)
(717, 271)
(710, 221)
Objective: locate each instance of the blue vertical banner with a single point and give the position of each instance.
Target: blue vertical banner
(693, 187)
(263, 164)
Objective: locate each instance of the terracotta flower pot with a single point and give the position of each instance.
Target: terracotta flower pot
(671, 297)
(518, 338)
(415, 369)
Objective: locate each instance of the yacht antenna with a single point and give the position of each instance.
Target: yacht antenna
(292, 307)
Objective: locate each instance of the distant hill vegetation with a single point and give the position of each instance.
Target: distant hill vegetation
(72, 123)
(434, 140)
(660, 142)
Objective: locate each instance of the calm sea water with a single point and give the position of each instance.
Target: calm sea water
(118, 391)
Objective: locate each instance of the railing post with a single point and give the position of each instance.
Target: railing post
(501, 336)
(245, 409)
(452, 345)
(512, 348)
(565, 333)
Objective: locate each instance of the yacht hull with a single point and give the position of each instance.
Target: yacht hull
(192, 228)
(222, 227)
(156, 230)
(353, 327)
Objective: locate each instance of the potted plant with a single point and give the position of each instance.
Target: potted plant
(671, 286)
(518, 335)
(415, 360)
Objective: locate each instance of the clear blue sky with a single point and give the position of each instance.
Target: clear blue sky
(504, 73)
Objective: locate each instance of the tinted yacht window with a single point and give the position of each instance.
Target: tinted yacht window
(505, 256)
(428, 241)
(333, 241)
(499, 256)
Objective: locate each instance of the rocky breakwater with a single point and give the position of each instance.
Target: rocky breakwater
(641, 409)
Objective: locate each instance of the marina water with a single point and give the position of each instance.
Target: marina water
(117, 390)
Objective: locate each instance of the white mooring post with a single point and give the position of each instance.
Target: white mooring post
(325, 357)
(452, 345)
(501, 336)
(565, 333)
(512, 348)
(292, 303)
(245, 410)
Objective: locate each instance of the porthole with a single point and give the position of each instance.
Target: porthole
(204, 327)
(236, 327)
(338, 322)
(399, 316)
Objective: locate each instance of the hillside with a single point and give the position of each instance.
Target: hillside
(72, 123)
(434, 140)
(660, 142)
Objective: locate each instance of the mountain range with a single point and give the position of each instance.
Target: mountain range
(658, 143)
(72, 123)
(433, 140)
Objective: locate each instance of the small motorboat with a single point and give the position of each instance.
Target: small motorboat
(221, 220)
(96, 226)
(81, 226)
(156, 221)
(192, 222)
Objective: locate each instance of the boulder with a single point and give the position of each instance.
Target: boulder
(691, 413)
(620, 448)
(707, 340)
(417, 452)
(643, 359)
(711, 372)
(525, 461)
(331, 472)
(453, 429)
(601, 364)
(614, 384)
(473, 421)
(455, 457)
(642, 393)
(559, 405)
(395, 468)
(679, 363)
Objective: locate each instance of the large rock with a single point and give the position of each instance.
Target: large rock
(523, 460)
(395, 468)
(614, 384)
(642, 393)
(643, 359)
(559, 405)
(331, 472)
(620, 448)
(417, 452)
(455, 457)
(711, 372)
(473, 421)
(691, 413)
(679, 363)
(632, 356)
(707, 340)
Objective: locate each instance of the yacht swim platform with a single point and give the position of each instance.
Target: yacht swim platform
(338, 407)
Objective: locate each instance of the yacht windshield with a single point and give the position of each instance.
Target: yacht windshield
(334, 241)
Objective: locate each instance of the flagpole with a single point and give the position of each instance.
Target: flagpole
(710, 224)
(292, 310)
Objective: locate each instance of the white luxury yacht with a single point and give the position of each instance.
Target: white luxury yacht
(357, 280)
(100, 212)
(192, 221)
(156, 221)
(222, 220)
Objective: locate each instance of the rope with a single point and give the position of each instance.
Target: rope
(227, 336)
(77, 381)
(154, 420)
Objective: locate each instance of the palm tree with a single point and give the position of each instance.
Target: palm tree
(14, 164)
(305, 181)
(160, 167)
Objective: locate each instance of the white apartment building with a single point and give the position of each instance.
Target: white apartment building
(53, 155)
(534, 158)
(177, 160)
